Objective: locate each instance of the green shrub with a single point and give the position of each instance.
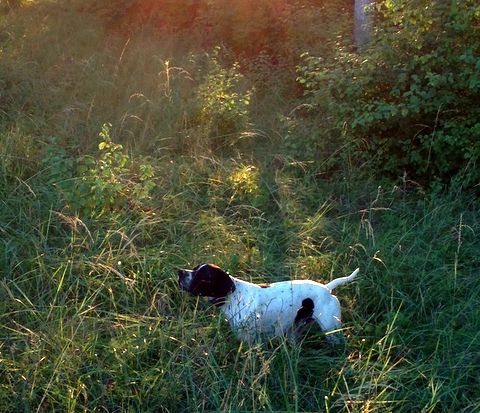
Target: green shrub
(224, 102)
(112, 182)
(410, 100)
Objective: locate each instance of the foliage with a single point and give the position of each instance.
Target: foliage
(93, 228)
(224, 111)
(279, 28)
(111, 182)
(410, 100)
(244, 180)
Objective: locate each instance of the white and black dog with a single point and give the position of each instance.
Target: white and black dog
(281, 308)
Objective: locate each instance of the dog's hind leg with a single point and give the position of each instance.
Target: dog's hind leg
(330, 322)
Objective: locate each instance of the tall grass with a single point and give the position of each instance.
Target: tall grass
(91, 317)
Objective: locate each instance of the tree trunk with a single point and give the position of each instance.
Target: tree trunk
(363, 23)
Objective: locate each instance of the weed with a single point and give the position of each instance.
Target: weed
(109, 183)
(224, 110)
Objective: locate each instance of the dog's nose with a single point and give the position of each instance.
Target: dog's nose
(184, 279)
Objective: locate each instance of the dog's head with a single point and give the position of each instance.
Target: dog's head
(207, 280)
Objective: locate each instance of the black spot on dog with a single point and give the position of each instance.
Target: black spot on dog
(305, 312)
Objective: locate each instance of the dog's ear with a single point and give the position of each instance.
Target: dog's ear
(210, 280)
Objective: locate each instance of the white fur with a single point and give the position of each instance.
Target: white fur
(253, 311)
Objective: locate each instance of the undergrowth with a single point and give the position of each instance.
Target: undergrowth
(122, 160)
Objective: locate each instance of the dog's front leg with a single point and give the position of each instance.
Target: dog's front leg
(247, 335)
(246, 330)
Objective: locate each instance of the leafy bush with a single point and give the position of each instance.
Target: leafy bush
(112, 182)
(410, 101)
(224, 102)
(244, 180)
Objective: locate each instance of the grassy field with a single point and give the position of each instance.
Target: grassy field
(124, 158)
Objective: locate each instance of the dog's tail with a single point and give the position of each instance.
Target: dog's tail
(342, 280)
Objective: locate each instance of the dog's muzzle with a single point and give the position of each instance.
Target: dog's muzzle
(185, 279)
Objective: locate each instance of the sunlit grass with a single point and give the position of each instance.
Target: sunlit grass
(92, 315)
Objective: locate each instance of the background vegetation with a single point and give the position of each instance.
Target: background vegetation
(138, 136)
